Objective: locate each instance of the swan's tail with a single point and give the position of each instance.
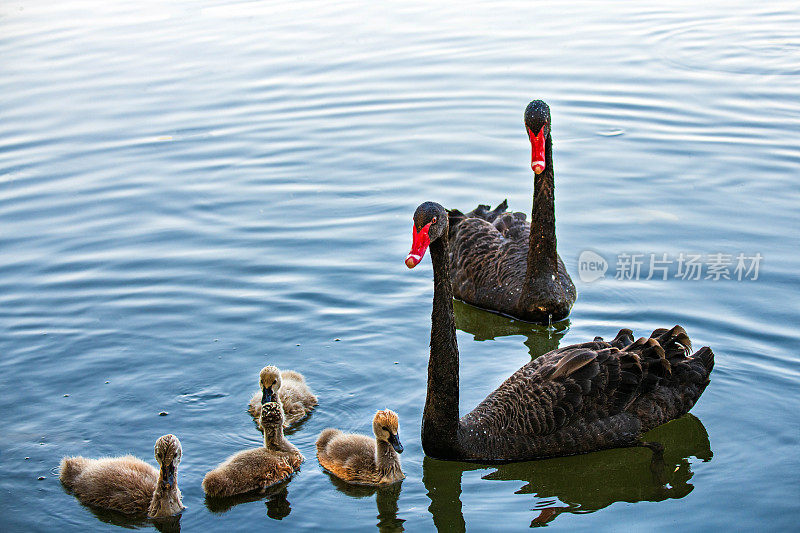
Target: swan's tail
(663, 359)
(705, 357)
(675, 341)
(686, 368)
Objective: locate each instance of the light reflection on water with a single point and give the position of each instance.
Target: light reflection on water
(191, 190)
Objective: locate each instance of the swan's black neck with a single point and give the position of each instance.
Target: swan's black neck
(440, 417)
(542, 255)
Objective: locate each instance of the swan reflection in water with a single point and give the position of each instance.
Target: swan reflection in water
(276, 496)
(169, 524)
(581, 483)
(385, 498)
(485, 325)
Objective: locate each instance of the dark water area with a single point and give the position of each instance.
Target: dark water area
(192, 190)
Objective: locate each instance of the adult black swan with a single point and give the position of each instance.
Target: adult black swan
(572, 400)
(500, 262)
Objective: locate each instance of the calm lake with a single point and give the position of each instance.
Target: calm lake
(192, 190)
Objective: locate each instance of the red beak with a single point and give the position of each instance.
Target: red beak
(420, 243)
(537, 151)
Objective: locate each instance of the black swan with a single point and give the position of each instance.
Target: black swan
(575, 399)
(501, 263)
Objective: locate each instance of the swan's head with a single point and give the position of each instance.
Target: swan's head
(168, 453)
(537, 122)
(271, 415)
(430, 223)
(270, 380)
(385, 426)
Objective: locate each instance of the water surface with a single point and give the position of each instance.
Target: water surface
(191, 190)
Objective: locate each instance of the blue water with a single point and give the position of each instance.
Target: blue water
(192, 190)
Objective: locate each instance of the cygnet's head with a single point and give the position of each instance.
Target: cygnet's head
(385, 427)
(270, 380)
(168, 453)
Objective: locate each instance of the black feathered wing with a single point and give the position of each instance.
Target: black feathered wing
(488, 253)
(588, 396)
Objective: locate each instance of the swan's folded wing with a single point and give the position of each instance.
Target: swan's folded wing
(588, 396)
(585, 382)
(513, 227)
(573, 385)
(484, 258)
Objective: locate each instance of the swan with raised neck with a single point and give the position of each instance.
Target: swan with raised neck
(501, 263)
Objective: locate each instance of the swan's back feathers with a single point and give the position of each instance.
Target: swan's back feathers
(484, 212)
(571, 362)
(623, 339)
(454, 218)
(487, 213)
(296, 397)
(292, 375)
(487, 260)
(591, 395)
(511, 225)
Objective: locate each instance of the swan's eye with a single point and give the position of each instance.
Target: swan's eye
(433, 220)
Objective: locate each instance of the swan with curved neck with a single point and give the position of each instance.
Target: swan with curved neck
(501, 263)
(575, 399)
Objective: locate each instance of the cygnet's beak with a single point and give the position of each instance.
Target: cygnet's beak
(267, 395)
(394, 440)
(167, 476)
